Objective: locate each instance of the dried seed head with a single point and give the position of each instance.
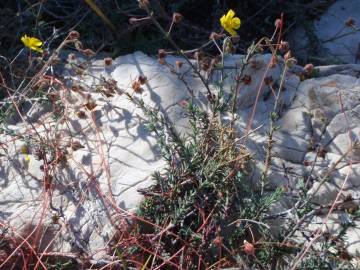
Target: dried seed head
(350, 22)
(308, 69)
(108, 61)
(142, 79)
(136, 86)
(284, 46)
(161, 53)
(246, 79)
(74, 35)
(249, 248)
(90, 105)
(88, 52)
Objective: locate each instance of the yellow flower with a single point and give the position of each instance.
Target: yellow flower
(24, 150)
(32, 43)
(230, 23)
(27, 158)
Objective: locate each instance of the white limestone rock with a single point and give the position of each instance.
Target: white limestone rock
(332, 40)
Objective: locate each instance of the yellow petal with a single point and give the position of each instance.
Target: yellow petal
(232, 32)
(37, 49)
(27, 158)
(25, 40)
(230, 14)
(24, 149)
(223, 21)
(235, 23)
(36, 42)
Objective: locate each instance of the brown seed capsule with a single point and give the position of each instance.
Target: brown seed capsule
(322, 152)
(161, 53)
(350, 22)
(177, 17)
(136, 86)
(90, 105)
(108, 61)
(246, 79)
(142, 79)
